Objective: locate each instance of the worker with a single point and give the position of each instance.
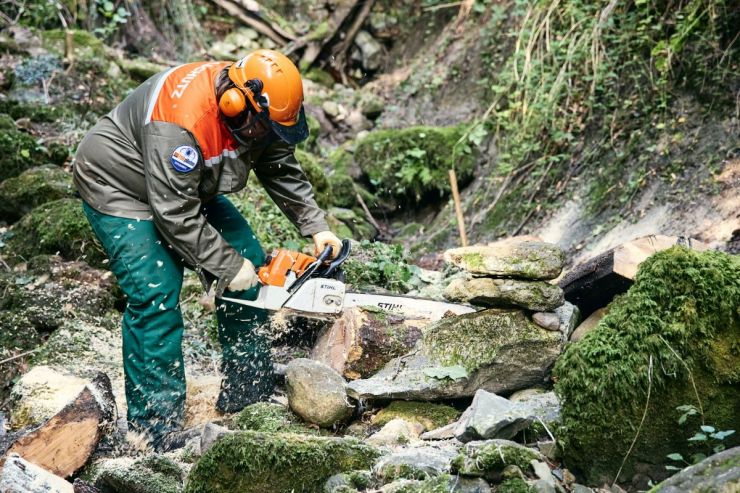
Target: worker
(152, 174)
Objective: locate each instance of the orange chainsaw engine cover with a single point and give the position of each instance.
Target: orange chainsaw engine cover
(281, 262)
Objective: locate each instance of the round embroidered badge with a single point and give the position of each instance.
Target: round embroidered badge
(184, 159)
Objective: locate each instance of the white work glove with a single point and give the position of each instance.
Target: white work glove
(245, 278)
(323, 239)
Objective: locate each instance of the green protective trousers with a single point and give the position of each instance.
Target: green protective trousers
(150, 275)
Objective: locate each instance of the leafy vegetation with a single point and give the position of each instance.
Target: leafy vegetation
(712, 438)
(586, 88)
(378, 264)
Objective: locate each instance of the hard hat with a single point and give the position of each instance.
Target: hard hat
(272, 84)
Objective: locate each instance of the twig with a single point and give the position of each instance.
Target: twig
(368, 215)
(458, 208)
(691, 377)
(8, 360)
(642, 421)
(432, 8)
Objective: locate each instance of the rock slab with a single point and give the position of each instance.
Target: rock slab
(316, 392)
(526, 259)
(496, 350)
(21, 476)
(492, 416)
(487, 291)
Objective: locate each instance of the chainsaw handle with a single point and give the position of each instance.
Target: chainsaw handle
(311, 270)
(339, 260)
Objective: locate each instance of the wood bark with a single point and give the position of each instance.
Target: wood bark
(593, 284)
(65, 442)
(361, 342)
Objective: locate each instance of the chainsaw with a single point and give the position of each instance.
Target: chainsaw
(314, 286)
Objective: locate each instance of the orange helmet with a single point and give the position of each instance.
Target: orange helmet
(271, 83)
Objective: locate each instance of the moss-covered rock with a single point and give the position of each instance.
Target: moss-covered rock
(151, 474)
(33, 187)
(18, 152)
(55, 227)
(514, 485)
(674, 335)
(412, 162)
(489, 458)
(427, 414)
(252, 462)
(271, 418)
(6, 122)
(717, 473)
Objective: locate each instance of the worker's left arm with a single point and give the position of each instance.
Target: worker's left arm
(285, 181)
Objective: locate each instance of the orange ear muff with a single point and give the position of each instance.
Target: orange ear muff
(232, 102)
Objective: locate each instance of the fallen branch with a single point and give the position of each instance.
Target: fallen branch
(381, 231)
(17, 356)
(248, 12)
(340, 51)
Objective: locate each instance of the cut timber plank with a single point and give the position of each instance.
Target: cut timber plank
(65, 442)
(593, 284)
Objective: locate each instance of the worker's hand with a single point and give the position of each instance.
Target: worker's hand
(324, 239)
(245, 278)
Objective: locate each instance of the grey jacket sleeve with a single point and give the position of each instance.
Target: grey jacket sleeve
(173, 198)
(282, 176)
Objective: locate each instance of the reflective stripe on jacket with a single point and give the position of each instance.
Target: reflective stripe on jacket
(164, 151)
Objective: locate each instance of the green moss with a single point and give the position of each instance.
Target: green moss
(6, 122)
(473, 340)
(153, 474)
(390, 472)
(680, 314)
(269, 224)
(270, 418)
(427, 414)
(514, 485)
(487, 459)
(320, 77)
(473, 261)
(18, 152)
(252, 462)
(84, 43)
(33, 187)
(37, 113)
(316, 175)
(412, 163)
(58, 226)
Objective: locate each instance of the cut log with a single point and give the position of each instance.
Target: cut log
(21, 476)
(361, 342)
(65, 442)
(594, 283)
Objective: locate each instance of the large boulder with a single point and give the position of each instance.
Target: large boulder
(34, 187)
(492, 416)
(361, 341)
(486, 291)
(717, 473)
(524, 258)
(496, 350)
(316, 392)
(252, 462)
(670, 340)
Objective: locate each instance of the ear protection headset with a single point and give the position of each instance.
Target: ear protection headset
(234, 100)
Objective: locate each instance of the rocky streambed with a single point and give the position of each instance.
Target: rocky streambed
(496, 400)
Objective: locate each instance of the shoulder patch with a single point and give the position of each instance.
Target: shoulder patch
(184, 159)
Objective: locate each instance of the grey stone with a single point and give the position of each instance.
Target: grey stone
(21, 476)
(420, 462)
(547, 320)
(210, 434)
(543, 406)
(491, 416)
(579, 488)
(396, 432)
(444, 433)
(486, 291)
(543, 486)
(549, 449)
(717, 473)
(316, 392)
(569, 315)
(496, 350)
(542, 471)
(371, 50)
(513, 257)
